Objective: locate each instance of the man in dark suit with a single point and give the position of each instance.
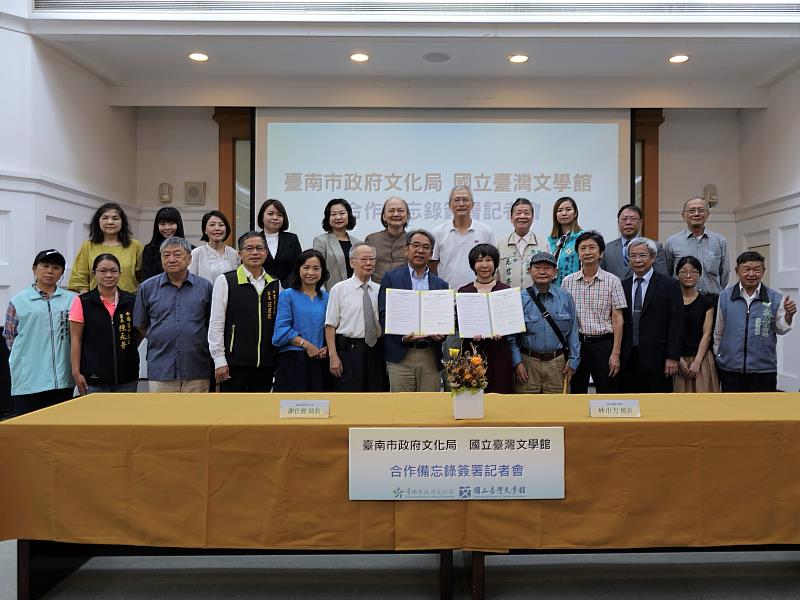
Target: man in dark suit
(651, 336)
(615, 259)
(414, 363)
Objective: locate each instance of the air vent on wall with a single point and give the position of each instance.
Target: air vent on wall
(194, 192)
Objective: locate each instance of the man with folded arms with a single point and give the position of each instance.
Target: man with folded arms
(599, 301)
(352, 328)
(413, 362)
(548, 352)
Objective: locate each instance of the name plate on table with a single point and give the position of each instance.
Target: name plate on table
(614, 409)
(305, 409)
(456, 463)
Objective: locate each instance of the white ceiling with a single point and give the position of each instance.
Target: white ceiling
(259, 64)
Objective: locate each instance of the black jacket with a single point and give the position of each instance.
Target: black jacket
(109, 352)
(280, 266)
(250, 321)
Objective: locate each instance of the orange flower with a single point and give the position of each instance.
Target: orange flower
(476, 360)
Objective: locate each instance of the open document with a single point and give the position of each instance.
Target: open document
(490, 314)
(410, 312)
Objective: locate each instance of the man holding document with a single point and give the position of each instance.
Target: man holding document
(547, 354)
(413, 360)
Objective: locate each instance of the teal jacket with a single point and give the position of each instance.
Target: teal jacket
(40, 358)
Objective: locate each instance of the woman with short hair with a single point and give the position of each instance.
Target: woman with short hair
(336, 243)
(283, 245)
(37, 335)
(390, 242)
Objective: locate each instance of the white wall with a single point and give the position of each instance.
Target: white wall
(64, 153)
(769, 211)
(698, 147)
(176, 145)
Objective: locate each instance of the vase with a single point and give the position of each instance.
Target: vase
(468, 404)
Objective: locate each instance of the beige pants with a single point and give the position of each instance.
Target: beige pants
(186, 386)
(417, 372)
(544, 377)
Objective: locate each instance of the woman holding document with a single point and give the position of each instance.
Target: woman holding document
(484, 260)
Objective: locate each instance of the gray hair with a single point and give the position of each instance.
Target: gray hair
(643, 241)
(424, 232)
(175, 241)
(355, 247)
(460, 188)
(705, 203)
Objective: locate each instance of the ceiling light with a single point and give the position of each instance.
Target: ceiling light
(518, 59)
(198, 57)
(436, 57)
(678, 59)
(359, 57)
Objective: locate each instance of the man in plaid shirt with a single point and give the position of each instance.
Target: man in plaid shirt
(599, 300)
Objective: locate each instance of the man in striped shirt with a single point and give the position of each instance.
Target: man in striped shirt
(599, 300)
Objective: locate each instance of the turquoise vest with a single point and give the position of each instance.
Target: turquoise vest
(40, 358)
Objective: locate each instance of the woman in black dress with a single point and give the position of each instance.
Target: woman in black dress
(484, 260)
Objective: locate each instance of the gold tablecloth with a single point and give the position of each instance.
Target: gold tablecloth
(222, 471)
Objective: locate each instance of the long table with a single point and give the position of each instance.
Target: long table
(222, 471)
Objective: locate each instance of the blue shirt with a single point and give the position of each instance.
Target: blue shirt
(299, 315)
(176, 324)
(419, 284)
(539, 336)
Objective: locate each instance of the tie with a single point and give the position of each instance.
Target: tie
(625, 253)
(370, 326)
(637, 309)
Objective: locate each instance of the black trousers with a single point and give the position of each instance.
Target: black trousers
(636, 379)
(363, 368)
(594, 362)
(299, 373)
(735, 382)
(28, 403)
(6, 404)
(248, 379)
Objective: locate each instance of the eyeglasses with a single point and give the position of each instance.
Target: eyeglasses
(688, 273)
(461, 200)
(253, 249)
(417, 246)
(696, 211)
(107, 271)
(366, 259)
(628, 219)
(638, 256)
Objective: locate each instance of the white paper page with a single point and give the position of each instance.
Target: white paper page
(506, 310)
(437, 314)
(473, 315)
(402, 312)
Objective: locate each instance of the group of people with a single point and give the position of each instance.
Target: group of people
(630, 315)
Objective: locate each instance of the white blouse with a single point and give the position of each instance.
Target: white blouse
(210, 264)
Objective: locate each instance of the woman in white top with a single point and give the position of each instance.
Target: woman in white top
(214, 258)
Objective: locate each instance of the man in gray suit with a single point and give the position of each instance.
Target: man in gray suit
(615, 258)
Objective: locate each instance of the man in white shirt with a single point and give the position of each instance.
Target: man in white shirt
(243, 308)
(454, 240)
(352, 328)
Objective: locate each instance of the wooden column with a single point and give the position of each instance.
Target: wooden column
(645, 124)
(234, 124)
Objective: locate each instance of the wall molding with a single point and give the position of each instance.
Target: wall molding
(767, 207)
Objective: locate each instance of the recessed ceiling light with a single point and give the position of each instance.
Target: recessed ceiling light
(198, 57)
(436, 57)
(678, 59)
(359, 57)
(518, 59)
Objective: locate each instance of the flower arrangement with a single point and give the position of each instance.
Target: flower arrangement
(466, 371)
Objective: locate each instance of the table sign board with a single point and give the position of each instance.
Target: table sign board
(614, 409)
(456, 463)
(305, 409)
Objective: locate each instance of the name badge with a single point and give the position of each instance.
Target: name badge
(305, 409)
(614, 409)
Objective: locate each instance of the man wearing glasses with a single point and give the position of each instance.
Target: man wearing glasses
(243, 308)
(352, 329)
(710, 248)
(653, 327)
(413, 362)
(615, 258)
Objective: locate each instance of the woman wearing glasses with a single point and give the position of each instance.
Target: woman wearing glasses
(104, 350)
(697, 371)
